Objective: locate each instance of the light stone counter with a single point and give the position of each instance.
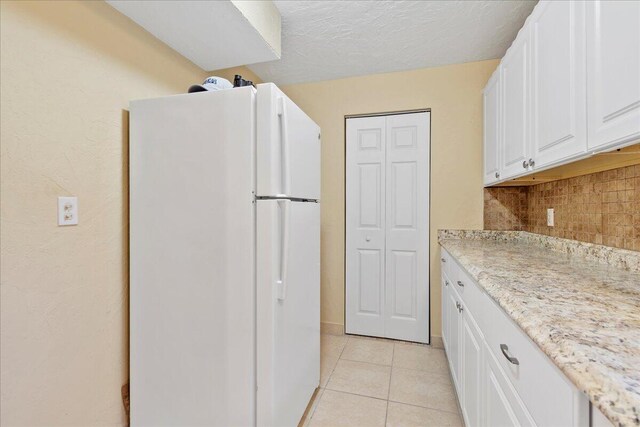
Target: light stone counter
(579, 302)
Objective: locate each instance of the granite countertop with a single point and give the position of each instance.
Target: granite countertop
(579, 302)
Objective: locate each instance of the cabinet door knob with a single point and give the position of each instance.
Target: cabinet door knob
(446, 283)
(497, 174)
(532, 163)
(525, 164)
(505, 351)
(368, 239)
(460, 284)
(443, 260)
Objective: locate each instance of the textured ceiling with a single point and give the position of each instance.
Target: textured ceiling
(324, 40)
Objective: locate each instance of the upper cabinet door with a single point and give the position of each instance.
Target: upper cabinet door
(491, 101)
(515, 107)
(558, 82)
(613, 73)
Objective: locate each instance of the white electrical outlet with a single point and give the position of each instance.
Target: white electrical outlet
(550, 217)
(67, 210)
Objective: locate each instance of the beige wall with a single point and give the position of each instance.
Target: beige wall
(454, 94)
(68, 72)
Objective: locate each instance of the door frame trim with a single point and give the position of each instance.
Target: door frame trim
(344, 128)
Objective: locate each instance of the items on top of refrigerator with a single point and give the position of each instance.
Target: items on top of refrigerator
(211, 84)
(238, 81)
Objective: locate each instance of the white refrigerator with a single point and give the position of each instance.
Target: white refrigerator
(224, 259)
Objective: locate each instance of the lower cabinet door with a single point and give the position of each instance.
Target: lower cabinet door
(445, 312)
(501, 404)
(471, 370)
(498, 413)
(454, 339)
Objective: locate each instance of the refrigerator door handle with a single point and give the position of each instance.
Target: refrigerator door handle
(284, 248)
(284, 141)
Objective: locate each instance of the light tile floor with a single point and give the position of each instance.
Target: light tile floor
(373, 382)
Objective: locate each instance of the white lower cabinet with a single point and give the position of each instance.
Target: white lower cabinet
(445, 311)
(455, 346)
(471, 368)
(501, 377)
(503, 407)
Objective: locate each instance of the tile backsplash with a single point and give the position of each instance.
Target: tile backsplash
(602, 208)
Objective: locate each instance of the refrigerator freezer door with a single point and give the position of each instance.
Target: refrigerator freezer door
(288, 309)
(288, 151)
(192, 248)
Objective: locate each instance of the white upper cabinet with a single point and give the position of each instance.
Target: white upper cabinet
(613, 73)
(491, 101)
(515, 92)
(568, 86)
(558, 83)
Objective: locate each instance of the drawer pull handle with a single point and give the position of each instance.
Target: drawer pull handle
(505, 351)
(443, 260)
(460, 284)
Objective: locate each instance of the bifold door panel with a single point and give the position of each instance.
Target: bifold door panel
(387, 218)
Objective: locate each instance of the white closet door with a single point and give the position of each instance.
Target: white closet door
(407, 227)
(365, 241)
(387, 220)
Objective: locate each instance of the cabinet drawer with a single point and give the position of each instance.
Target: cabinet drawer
(469, 292)
(446, 261)
(530, 372)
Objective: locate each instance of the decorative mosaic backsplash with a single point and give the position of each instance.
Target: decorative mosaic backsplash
(602, 208)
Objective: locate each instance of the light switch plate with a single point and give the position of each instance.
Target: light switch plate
(67, 210)
(550, 217)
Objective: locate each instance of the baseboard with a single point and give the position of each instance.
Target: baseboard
(436, 342)
(331, 328)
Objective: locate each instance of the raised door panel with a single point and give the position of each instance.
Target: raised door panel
(471, 370)
(515, 108)
(558, 81)
(407, 231)
(365, 233)
(613, 73)
(454, 340)
(498, 412)
(446, 333)
(492, 147)
(502, 407)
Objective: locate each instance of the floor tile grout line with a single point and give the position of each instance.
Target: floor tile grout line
(391, 400)
(336, 364)
(386, 414)
(360, 395)
(423, 371)
(363, 361)
(425, 407)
